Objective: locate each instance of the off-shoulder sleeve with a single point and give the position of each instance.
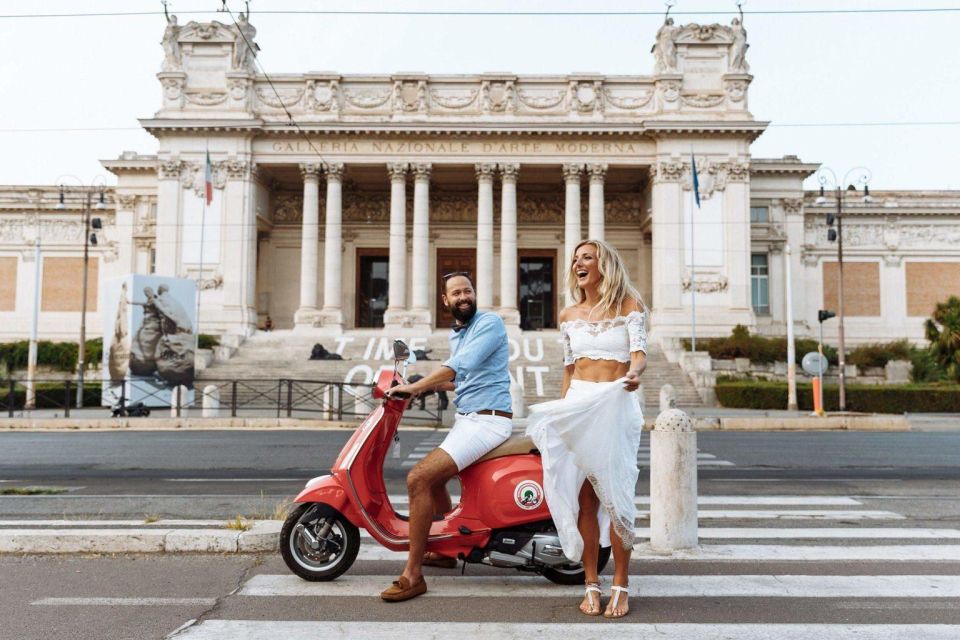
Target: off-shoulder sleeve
(568, 358)
(636, 331)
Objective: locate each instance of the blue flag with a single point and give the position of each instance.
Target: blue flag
(696, 181)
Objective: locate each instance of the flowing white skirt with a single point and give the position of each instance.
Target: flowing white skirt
(591, 434)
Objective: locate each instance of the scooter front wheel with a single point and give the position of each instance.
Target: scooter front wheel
(576, 574)
(318, 543)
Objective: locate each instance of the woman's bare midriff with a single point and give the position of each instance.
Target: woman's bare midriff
(599, 370)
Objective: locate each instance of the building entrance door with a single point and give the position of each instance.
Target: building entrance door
(372, 286)
(537, 290)
(450, 261)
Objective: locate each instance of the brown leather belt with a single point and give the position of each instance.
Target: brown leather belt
(490, 412)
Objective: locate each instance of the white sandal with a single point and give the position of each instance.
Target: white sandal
(612, 605)
(592, 587)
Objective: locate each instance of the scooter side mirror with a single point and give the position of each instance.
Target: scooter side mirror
(402, 352)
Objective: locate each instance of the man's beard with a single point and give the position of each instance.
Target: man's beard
(463, 316)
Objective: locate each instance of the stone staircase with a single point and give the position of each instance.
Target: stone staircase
(536, 362)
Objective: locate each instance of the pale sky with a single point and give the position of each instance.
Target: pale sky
(99, 72)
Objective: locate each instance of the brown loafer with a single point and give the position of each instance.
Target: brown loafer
(401, 590)
(436, 560)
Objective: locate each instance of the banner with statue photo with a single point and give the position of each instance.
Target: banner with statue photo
(149, 339)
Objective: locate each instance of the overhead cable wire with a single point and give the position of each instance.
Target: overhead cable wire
(252, 48)
(480, 13)
(891, 123)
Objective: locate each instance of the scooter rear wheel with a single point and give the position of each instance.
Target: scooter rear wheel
(576, 574)
(318, 543)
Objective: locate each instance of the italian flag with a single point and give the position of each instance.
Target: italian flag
(208, 180)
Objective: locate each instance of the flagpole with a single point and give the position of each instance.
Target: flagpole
(203, 227)
(693, 255)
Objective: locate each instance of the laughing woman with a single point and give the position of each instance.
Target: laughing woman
(588, 439)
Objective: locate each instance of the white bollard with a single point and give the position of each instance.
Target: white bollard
(178, 398)
(211, 401)
(668, 397)
(673, 482)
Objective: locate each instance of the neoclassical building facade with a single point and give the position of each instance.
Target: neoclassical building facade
(340, 200)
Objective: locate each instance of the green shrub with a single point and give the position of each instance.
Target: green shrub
(756, 394)
(50, 395)
(925, 367)
(878, 354)
(740, 344)
(59, 355)
(206, 341)
(943, 332)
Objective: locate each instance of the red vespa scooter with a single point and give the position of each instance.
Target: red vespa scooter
(502, 519)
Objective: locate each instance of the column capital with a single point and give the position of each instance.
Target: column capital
(598, 172)
(334, 171)
(310, 170)
(485, 171)
(421, 171)
(572, 172)
(509, 172)
(169, 169)
(398, 171)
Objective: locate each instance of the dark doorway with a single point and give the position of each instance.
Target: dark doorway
(537, 290)
(373, 270)
(450, 261)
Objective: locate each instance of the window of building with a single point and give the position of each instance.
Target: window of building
(760, 283)
(760, 214)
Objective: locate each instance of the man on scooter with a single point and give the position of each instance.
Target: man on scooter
(477, 371)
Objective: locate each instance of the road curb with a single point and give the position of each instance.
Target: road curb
(27, 425)
(262, 536)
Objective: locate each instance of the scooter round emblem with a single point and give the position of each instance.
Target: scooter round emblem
(528, 495)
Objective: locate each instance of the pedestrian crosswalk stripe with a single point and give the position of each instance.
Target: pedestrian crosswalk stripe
(834, 533)
(789, 514)
(622, 630)
(126, 602)
(782, 514)
(646, 586)
(825, 501)
(759, 553)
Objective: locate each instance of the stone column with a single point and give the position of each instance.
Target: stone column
(395, 316)
(239, 233)
(331, 318)
(508, 245)
(775, 289)
(169, 218)
(598, 173)
(420, 260)
(310, 240)
(571, 227)
(736, 218)
(484, 276)
(667, 251)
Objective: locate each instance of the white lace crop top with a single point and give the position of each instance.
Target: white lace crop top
(612, 339)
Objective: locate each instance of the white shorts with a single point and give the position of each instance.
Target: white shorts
(473, 436)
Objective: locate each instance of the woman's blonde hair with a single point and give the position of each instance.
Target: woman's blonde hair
(615, 287)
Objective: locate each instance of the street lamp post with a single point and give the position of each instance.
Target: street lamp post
(88, 239)
(826, 176)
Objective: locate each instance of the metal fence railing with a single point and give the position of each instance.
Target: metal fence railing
(273, 397)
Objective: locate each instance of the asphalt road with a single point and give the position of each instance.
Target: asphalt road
(203, 474)
(803, 536)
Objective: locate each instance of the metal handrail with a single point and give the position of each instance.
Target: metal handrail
(289, 397)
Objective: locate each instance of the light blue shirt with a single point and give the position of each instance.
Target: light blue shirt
(480, 356)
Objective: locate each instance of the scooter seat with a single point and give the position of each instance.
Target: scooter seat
(514, 446)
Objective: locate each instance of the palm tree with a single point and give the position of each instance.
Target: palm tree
(943, 332)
